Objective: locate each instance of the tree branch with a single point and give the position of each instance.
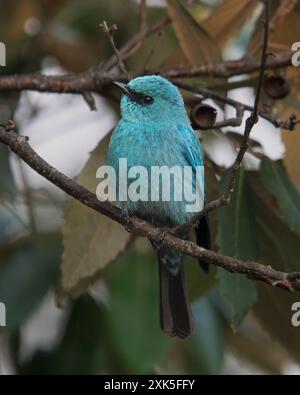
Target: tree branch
(109, 31)
(209, 94)
(69, 83)
(253, 270)
(95, 79)
(227, 69)
(101, 77)
(135, 43)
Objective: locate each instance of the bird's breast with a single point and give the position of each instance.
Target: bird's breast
(150, 147)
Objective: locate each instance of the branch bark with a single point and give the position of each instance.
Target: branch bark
(100, 77)
(96, 79)
(227, 69)
(253, 270)
(209, 94)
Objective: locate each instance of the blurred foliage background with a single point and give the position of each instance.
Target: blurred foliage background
(52, 248)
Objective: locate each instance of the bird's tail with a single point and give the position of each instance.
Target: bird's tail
(175, 314)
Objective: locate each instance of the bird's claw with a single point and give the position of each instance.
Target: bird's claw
(125, 216)
(161, 238)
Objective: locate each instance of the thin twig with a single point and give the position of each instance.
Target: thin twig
(134, 44)
(96, 80)
(253, 270)
(234, 122)
(227, 69)
(209, 94)
(90, 101)
(110, 32)
(250, 122)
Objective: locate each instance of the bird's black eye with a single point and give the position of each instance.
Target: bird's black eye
(148, 100)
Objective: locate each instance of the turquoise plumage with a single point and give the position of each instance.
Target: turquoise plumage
(155, 131)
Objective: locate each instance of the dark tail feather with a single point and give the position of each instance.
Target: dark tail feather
(203, 239)
(175, 314)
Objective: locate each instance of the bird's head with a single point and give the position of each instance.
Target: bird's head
(152, 99)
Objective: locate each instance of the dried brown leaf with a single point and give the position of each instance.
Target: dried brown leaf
(195, 41)
(227, 19)
(91, 240)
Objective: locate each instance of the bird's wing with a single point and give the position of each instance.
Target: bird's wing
(194, 156)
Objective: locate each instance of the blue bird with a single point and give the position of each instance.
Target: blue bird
(155, 131)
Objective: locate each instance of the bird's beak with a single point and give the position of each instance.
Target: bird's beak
(132, 94)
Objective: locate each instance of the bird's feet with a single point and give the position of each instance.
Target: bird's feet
(125, 215)
(159, 242)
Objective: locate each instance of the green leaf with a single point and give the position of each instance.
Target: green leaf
(277, 182)
(133, 317)
(239, 292)
(91, 240)
(198, 282)
(27, 275)
(83, 348)
(237, 238)
(206, 349)
(279, 247)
